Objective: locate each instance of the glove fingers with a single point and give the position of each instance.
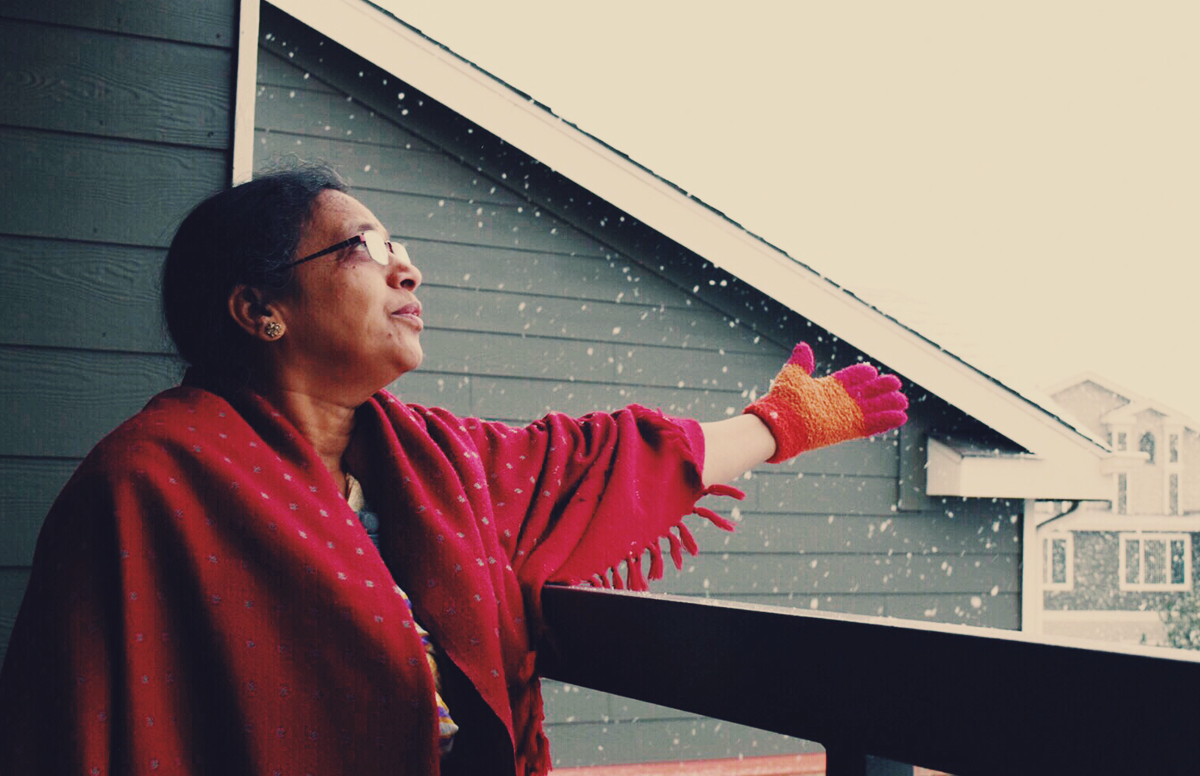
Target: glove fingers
(802, 356)
(878, 387)
(879, 422)
(884, 403)
(853, 376)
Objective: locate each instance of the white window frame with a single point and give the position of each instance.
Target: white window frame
(1178, 494)
(1142, 537)
(1048, 561)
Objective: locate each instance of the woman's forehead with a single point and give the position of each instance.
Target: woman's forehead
(336, 214)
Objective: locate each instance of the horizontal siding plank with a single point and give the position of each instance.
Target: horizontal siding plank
(857, 604)
(609, 279)
(504, 355)
(572, 703)
(105, 190)
(874, 456)
(496, 397)
(990, 610)
(382, 167)
(304, 114)
(113, 387)
(101, 84)
(840, 574)
(13, 582)
(662, 740)
(28, 487)
(984, 609)
(61, 402)
(114, 289)
(622, 324)
(435, 389)
(274, 70)
(451, 220)
(739, 368)
(823, 494)
(775, 533)
(44, 419)
(213, 23)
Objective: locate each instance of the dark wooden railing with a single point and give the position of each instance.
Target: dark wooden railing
(877, 693)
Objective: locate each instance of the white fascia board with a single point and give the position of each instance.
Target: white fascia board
(245, 92)
(486, 101)
(1067, 476)
(1083, 521)
(1124, 461)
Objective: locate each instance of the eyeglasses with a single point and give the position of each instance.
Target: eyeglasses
(380, 250)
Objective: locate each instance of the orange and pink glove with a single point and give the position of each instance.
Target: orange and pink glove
(804, 413)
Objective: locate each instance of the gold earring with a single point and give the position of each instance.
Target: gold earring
(273, 330)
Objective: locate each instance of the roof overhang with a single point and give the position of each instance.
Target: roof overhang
(1070, 475)
(396, 48)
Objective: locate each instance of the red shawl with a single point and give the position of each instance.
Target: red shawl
(204, 601)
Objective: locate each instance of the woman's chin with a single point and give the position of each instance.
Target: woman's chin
(412, 360)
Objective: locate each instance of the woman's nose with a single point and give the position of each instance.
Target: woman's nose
(402, 273)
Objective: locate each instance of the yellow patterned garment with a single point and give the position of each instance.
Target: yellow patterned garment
(370, 521)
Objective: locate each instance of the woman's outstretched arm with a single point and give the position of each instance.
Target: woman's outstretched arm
(734, 446)
(802, 413)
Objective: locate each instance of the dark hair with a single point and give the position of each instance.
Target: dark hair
(244, 234)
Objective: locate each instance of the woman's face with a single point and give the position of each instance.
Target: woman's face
(352, 325)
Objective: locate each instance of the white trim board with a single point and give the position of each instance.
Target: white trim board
(1083, 521)
(245, 91)
(1068, 475)
(1099, 615)
(493, 105)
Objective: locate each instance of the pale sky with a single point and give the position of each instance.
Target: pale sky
(1020, 181)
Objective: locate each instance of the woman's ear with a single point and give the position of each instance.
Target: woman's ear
(253, 314)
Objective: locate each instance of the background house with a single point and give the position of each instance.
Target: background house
(544, 288)
(1112, 566)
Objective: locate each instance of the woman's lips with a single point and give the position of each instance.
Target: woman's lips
(412, 314)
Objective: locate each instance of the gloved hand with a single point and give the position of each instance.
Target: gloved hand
(804, 413)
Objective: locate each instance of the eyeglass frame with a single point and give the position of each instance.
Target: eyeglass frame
(392, 250)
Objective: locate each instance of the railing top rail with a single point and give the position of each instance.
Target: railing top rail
(961, 699)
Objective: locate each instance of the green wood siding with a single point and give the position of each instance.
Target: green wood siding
(116, 86)
(209, 22)
(541, 297)
(115, 121)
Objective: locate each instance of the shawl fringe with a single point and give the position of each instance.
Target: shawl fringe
(634, 579)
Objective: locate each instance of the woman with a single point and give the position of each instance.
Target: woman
(277, 567)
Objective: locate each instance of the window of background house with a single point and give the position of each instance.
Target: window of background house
(1174, 445)
(1058, 562)
(1122, 506)
(1155, 561)
(1173, 494)
(1146, 445)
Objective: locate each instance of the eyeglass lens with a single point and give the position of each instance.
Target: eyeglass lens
(378, 248)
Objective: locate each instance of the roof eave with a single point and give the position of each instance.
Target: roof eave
(1065, 476)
